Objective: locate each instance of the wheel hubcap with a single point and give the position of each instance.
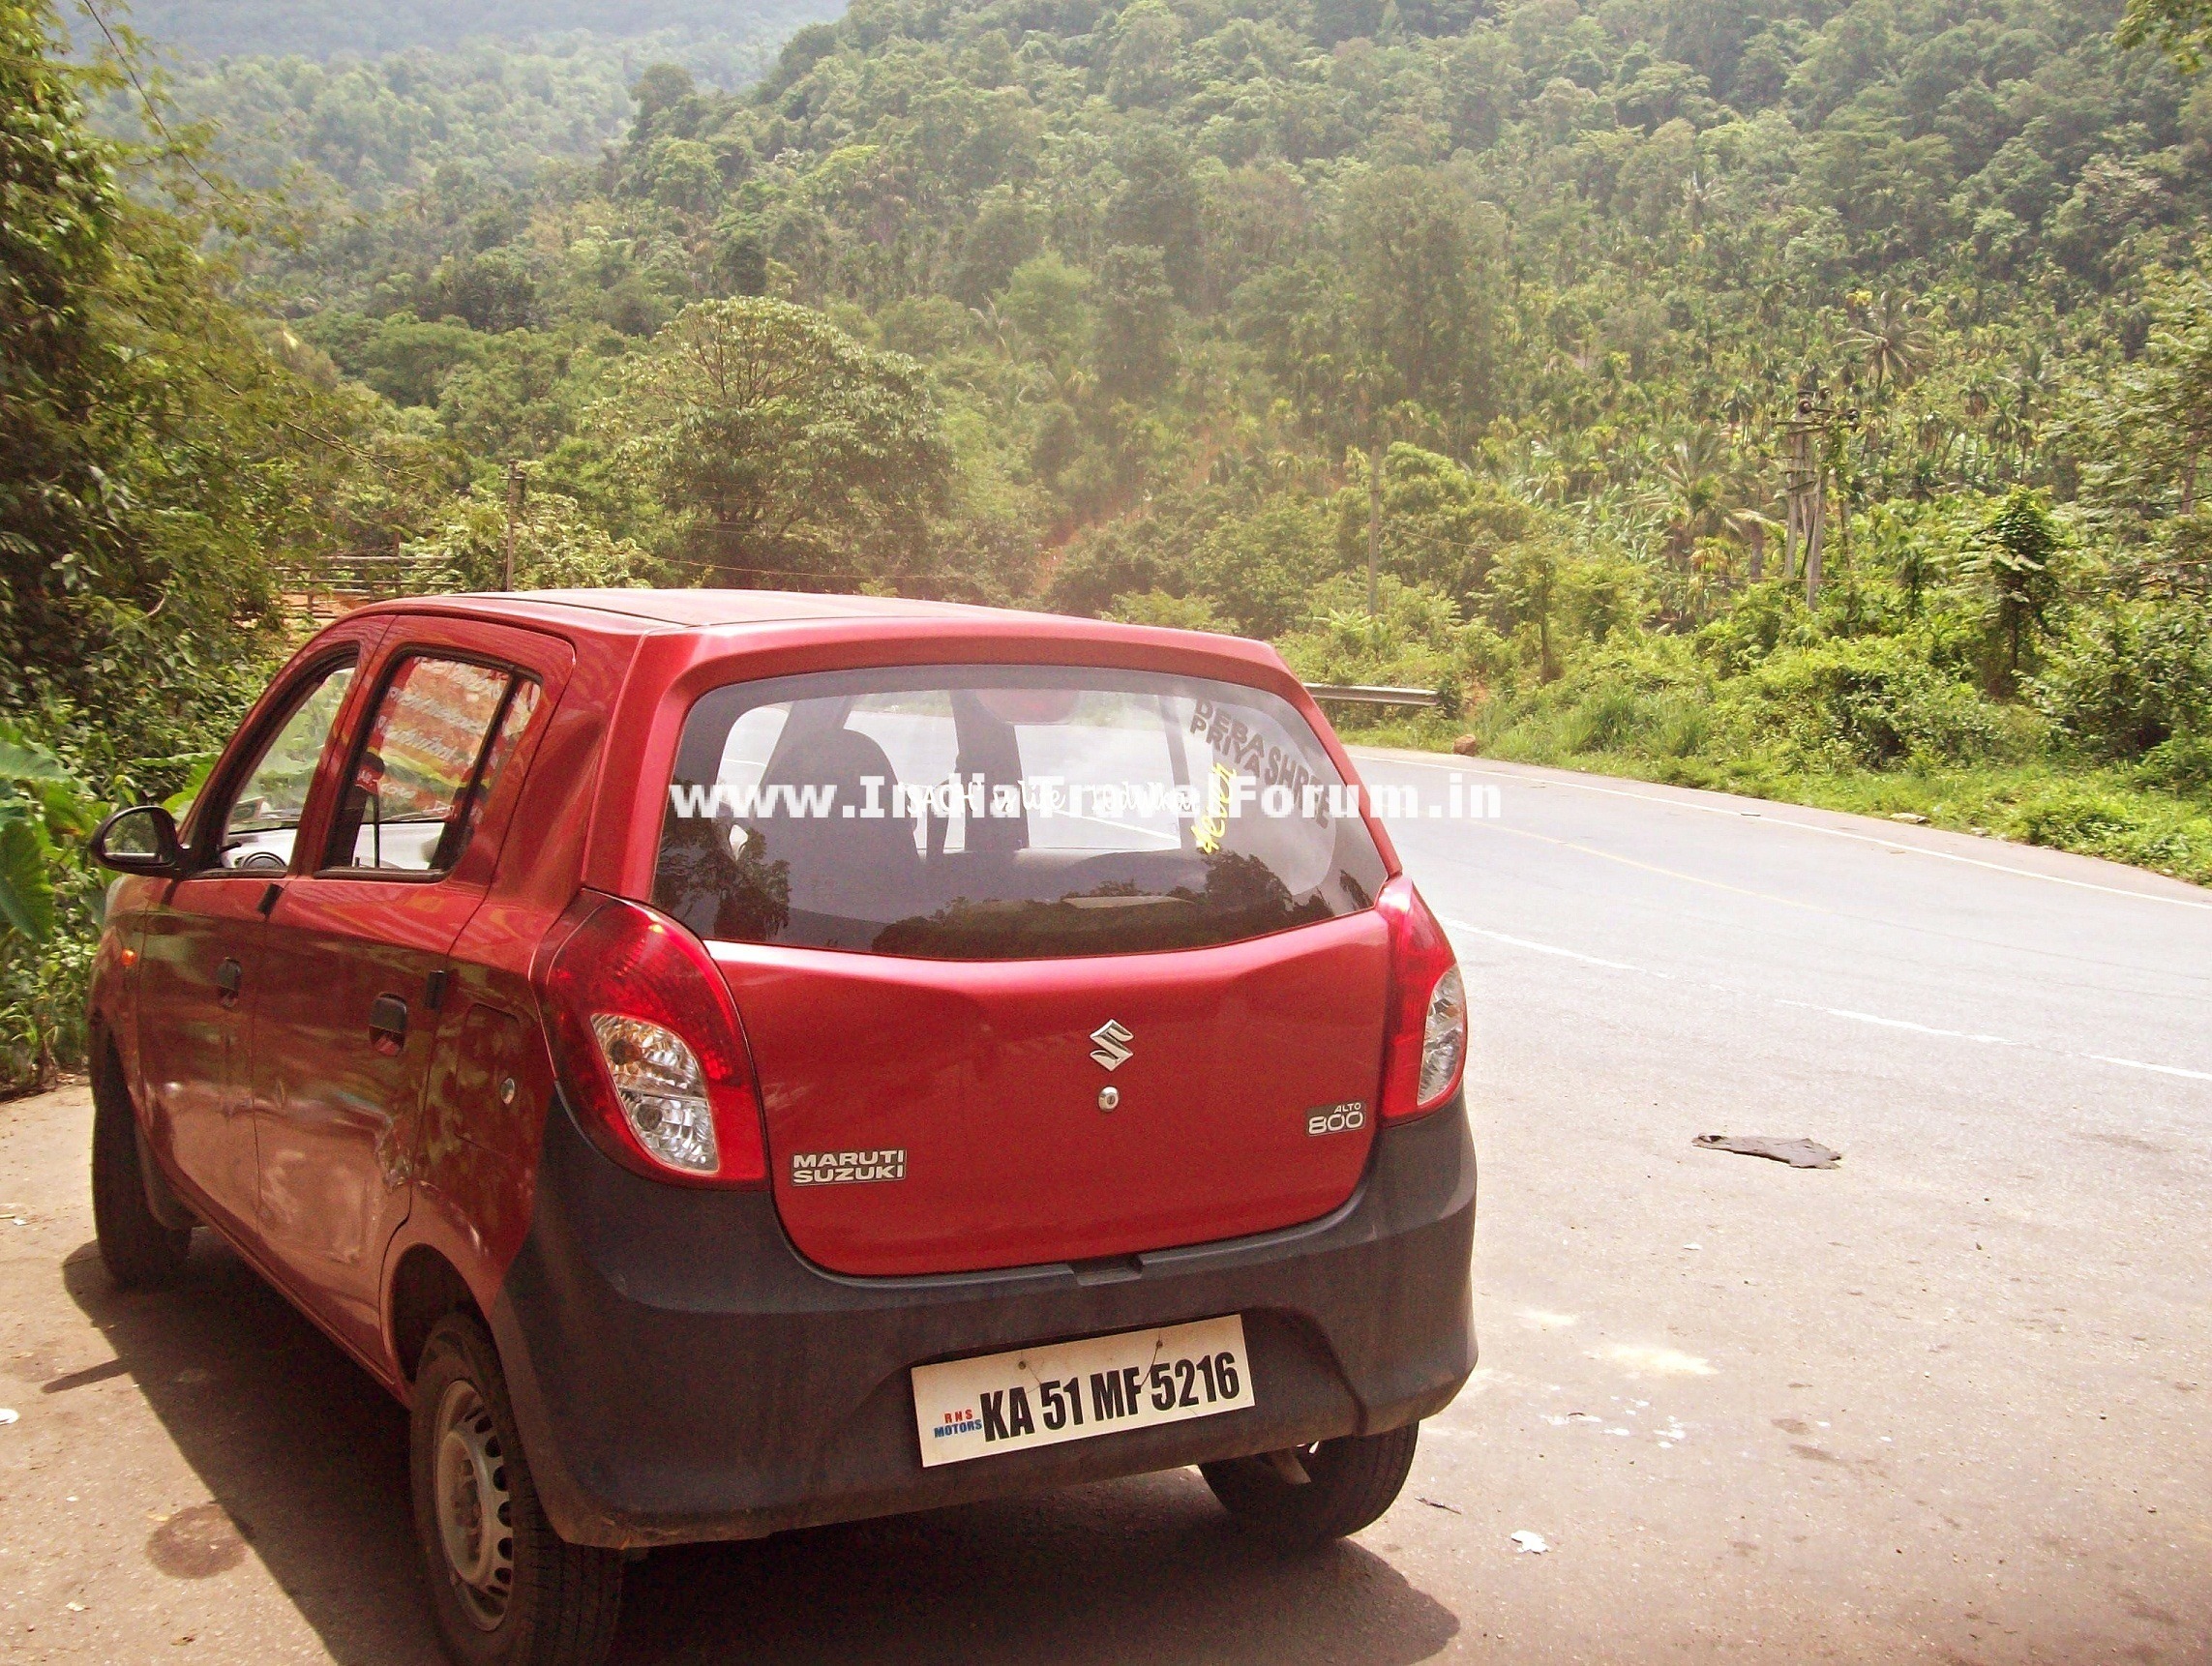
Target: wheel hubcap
(475, 1512)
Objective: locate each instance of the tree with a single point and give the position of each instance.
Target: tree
(1142, 70)
(1262, 570)
(1891, 342)
(1048, 301)
(1157, 204)
(557, 547)
(1001, 237)
(779, 448)
(157, 447)
(660, 87)
(2181, 29)
(2011, 554)
(1418, 253)
(1526, 584)
(40, 804)
(2172, 394)
(57, 251)
(1136, 324)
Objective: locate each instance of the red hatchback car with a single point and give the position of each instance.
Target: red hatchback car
(734, 1062)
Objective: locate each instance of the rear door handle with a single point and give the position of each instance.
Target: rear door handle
(388, 1024)
(229, 979)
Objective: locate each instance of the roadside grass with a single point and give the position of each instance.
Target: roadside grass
(2106, 810)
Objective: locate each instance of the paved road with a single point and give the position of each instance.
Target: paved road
(1952, 1400)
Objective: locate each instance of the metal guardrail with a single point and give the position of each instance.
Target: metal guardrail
(1371, 694)
(313, 593)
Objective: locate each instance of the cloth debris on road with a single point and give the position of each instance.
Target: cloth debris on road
(1797, 1153)
(1532, 1542)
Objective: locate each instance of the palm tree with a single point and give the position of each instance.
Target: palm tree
(1691, 505)
(1894, 345)
(1741, 406)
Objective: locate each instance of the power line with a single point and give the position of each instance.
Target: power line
(146, 101)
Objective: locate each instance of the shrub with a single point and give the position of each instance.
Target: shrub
(1176, 613)
(1765, 615)
(1608, 719)
(557, 547)
(1416, 641)
(1616, 718)
(1261, 570)
(2106, 825)
(2182, 765)
(2132, 679)
(49, 903)
(1870, 702)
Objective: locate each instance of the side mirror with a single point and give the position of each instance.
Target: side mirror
(139, 840)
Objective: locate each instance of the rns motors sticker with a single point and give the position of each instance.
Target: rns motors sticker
(1342, 1119)
(846, 1168)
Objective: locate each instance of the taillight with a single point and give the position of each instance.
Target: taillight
(1425, 1047)
(651, 1052)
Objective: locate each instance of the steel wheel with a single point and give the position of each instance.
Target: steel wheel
(475, 1512)
(1346, 1484)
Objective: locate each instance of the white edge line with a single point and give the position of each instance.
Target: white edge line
(2160, 1069)
(1828, 1011)
(1548, 949)
(1773, 820)
(1898, 1023)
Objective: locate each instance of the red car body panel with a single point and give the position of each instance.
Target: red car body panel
(342, 1168)
(336, 1119)
(980, 1073)
(195, 1041)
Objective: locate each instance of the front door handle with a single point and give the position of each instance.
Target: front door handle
(229, 979)
(388, 1024)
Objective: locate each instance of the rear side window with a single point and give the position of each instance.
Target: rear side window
(442, 731)
(1006, 813)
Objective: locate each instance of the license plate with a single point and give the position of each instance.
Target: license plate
(1072, 1390)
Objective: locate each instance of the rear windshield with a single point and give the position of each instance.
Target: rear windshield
(1006, 813)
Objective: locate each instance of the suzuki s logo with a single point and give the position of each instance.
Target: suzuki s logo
(1113, 1049)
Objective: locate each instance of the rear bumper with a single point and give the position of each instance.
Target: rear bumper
(681, 1372)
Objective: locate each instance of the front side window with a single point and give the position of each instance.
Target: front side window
(1006, 813)
(442, 731)
(264, 818)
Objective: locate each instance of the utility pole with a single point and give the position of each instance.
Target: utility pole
(514, 508)
(1811, 434)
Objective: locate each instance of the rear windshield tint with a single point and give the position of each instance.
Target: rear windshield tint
(1006, 813)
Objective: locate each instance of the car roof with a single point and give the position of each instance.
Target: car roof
(701, 608)
(651, 612)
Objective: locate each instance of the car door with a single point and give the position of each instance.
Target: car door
(355, 960)
(200, 977)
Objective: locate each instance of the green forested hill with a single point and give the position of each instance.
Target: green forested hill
(1180, 274)
(344, 106)
(1176, 267)
(327, 28)
(1574, 316)
(355, 131)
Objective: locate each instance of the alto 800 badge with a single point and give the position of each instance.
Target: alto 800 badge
(1344, 1119)
(846, 1168)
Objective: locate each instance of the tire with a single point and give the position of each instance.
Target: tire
(521, 1597)
(1353, 1481)
(140, 1252)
